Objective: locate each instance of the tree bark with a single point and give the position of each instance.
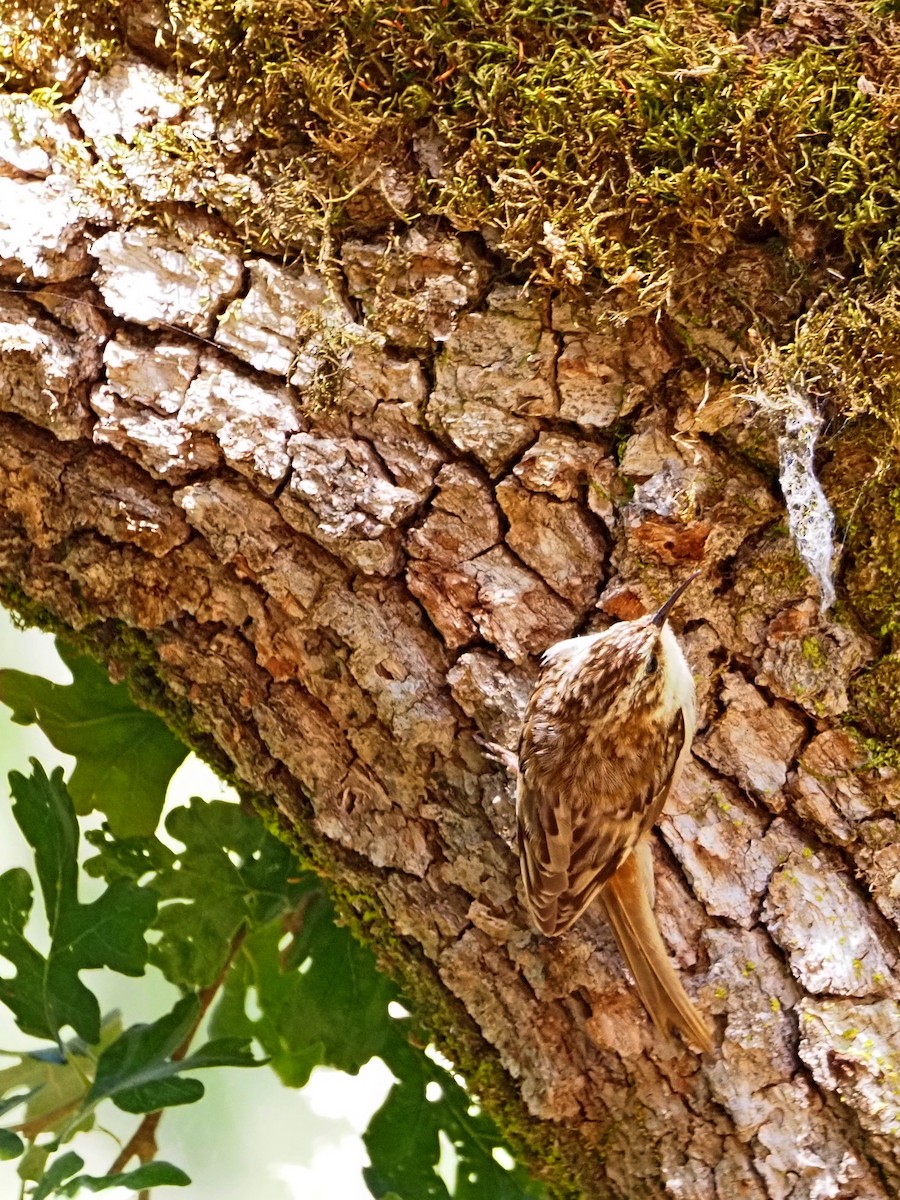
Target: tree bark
(342, 595)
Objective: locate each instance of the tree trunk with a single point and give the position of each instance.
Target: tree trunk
(327, 520)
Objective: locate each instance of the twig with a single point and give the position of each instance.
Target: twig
(30, 1129)
(143, 1141)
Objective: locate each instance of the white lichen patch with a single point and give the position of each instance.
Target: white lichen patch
(284, 313)
(138, 407)
(251, 421)
(799, 1147)
(161, 445)
(341, 496)
(853, 1050)
(822, 924)
(31, 137)
(343, 482)
(748, 987)
(157, 378)
(131, 96)
(156, 281)
(42, 228)
(45, 370)
(810, 518)
(722, 843)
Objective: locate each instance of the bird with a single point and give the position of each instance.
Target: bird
(606, 733)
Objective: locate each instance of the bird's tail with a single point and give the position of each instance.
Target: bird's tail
(627, 899)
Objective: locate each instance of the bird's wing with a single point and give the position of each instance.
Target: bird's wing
(572, 839)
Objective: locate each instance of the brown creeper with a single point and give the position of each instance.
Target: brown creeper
(607, 730)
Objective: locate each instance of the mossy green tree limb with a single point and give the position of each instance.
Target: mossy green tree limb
(547, 251)
(699, 126)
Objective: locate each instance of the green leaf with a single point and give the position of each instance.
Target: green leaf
(23, 994)
(154, 1174)
(141, 1045)
(163, 1093)
(320, 997)
(138, 1073)
(223, 1052)
(228, 854)
(33, 1163)
(55, 1081)
(125, 756)
(11, 1145)
(321, 1001)
(58, 1171)
(404, 1139)
(46, 992)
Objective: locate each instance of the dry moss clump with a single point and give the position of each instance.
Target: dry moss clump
(581, 144)
(863, 482)
(875, 696)
(848, 352)
(36, 37)
(642, 148)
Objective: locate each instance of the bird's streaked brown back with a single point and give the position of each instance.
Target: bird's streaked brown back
(606, 733)
(593, 778)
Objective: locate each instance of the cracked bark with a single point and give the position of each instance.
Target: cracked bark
(349, 600)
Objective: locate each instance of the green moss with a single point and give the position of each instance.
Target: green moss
(847, 351)
(680, 141)
(813, 652)
(683, 142)
(878, 754)
(875, 695)
(862, 480)
(34, 34)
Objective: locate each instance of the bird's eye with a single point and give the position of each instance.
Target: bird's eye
(652, 664)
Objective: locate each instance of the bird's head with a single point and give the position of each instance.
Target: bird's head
(643, 665)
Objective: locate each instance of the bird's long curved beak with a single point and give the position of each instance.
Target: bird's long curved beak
(659, 617)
